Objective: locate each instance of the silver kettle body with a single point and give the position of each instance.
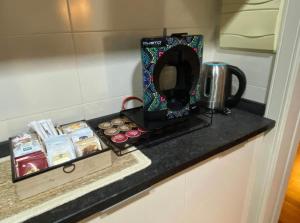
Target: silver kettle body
(216, 86)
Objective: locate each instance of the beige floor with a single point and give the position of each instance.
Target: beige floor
(290, 212)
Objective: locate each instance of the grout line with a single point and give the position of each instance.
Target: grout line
(103, 100)
(247, 36)
(114, 30)
(76, 53)
(264, 88)
(253, 9)
(141, 29)
(97, 31)
(33, 34)
(69, 107)
(70, 16)
(65, 108)
(41, 112)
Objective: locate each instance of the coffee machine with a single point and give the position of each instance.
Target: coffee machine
(183, 53)
(163, 106)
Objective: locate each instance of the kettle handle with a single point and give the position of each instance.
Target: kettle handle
(234, 99)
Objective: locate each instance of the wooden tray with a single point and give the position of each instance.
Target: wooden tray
(46, 179)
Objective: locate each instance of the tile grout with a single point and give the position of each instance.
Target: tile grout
(66, 108)
(76, 55)
(94, 31)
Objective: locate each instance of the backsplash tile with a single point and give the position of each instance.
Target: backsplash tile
(18, 125)
(95, 15)
(92, 15)
(190, 13)
(18, 17)
(64, 116)
(104, 107)
(37, 74)
(257, 66)
(255, 93)
(48, 70)
(109, 63)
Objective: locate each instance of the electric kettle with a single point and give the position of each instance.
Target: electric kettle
(216, 86)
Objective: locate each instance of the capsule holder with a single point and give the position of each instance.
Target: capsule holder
(200, 119)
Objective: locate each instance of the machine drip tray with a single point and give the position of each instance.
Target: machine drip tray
(137, 116)
(160, 131)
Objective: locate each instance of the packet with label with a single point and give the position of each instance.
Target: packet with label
(60, 149)
(26, 143)
(30, 163)
(87, 146)
(44, 128)
(81, 134)
(67, 129)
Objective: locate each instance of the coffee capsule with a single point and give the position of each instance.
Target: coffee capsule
(105, 125)
(132, 125)
(125, 119)
(124, 128)
(133, 133)
(117, 121)
(119, 138)
(111, 131)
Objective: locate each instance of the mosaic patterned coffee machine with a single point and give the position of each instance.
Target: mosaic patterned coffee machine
(164, 106)
(182, 52)
(171, 106)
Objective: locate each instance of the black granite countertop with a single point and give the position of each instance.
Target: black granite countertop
(168, 158)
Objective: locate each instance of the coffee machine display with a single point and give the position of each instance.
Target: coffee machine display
(182, 54)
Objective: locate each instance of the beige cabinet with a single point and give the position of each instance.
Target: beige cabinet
(216, 190)
(250, 24)
(162, 203)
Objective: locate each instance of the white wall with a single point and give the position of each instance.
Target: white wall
(257, 67)
(75, 59)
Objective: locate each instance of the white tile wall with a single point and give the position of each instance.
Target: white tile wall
(255, 93)
(66, 115)
(17, 125)
(37, 74)
(70, 68)
(137, 14)
(257, 67)
(103, 107)
(33, 16)
(109, 63)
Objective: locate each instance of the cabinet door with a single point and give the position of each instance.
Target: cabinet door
(168, 201)
(242, 5)
(250, 24)
(217, 189)
(162, 204)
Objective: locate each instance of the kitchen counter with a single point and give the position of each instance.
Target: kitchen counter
(168, 158)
